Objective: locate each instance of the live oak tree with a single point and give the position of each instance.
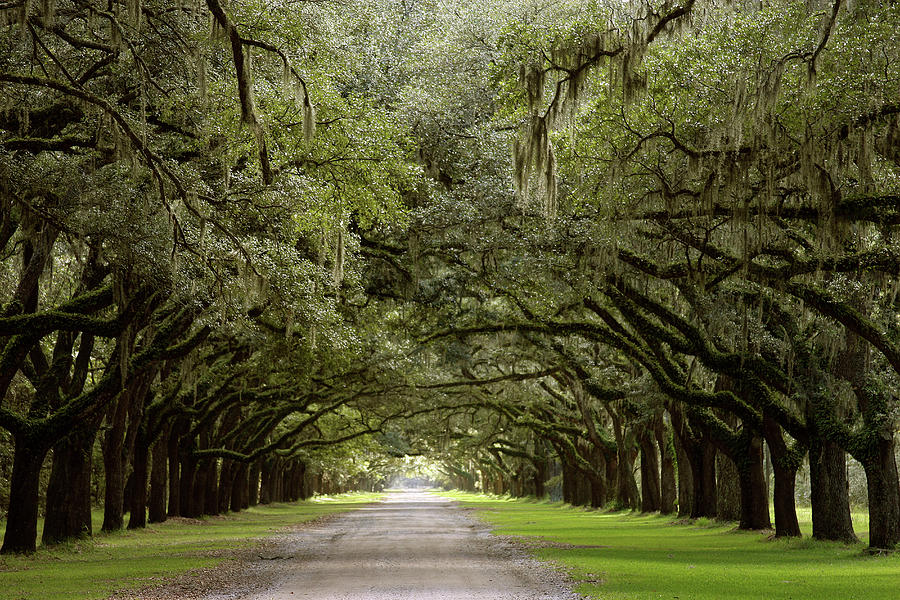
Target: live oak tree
(269, 249)
(170, 185)
(722, 168)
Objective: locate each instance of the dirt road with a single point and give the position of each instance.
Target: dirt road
(412, 546)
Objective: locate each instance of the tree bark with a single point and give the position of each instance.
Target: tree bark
(265, 483)
(239, 496)
(540, 478)
(784, 467)
(875, 449)
(685, 480)
(188, 491)
(626, 488)
(650, 488)
(728, 489)
(297, 477)
(830, 497)
(226, 481)
(884, 496)
(667, 496)
(137, 518)
(114, 463)
(598, 490)
(68, 508)
(253, 484)
(568, 481)
(210, 467)
(599, 487)
(702, 459)
(174, 507)
(124, 421)
(754, 498)
(158, 476)
(612, 472)
(21, 521)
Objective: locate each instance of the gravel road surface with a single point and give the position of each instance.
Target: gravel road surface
(411, 546)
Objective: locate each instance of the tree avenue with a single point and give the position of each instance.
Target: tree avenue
(629, 254)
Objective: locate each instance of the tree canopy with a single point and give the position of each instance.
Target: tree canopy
(635, 253)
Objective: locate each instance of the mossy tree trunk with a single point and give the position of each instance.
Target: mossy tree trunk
(254, 483)
(626, 487)
(226, 482)
(668, 494)
(685, 479)
(754, 498)
(115, 460)
(140, 464)
(650, 487)
(21, 521)
(702, 459)
(785, 462)
(68, 509)
(829, 492)
(173, 458)
(597, 477)
(539, 477)
(158, 479)
(123, 421)
(728, 489)
(884, 496)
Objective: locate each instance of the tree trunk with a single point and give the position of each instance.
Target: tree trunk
(786, 523)
(754, 497)
(173, 454)
(626, 488)
(253, 484)
(158, 476)
(884, 497)
(137, 518)
(728, 489)
(830, 497)
(265, 483)
(568, 483)
(540, 478)
(211, 504)
(226, 481)
(277, 482)
(667, 495)
(650, 493)
(582, 488)
(114, 463)
(68, 509)
(188, 491)
(21, 520)
(784, 467)
(299, 478)
(685, 480)
(599, 489)
(702, 458)
(239, 496)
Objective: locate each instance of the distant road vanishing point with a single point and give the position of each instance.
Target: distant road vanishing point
(411, 546)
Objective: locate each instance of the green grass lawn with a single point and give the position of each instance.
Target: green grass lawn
(132, 559)
(627, 555)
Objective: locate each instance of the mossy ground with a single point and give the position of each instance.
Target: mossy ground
(618, 555)
(94, 568)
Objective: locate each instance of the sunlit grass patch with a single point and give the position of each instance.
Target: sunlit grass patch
(619, 555)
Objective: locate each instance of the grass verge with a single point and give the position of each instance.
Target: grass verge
(95, 568)
(619, 555)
